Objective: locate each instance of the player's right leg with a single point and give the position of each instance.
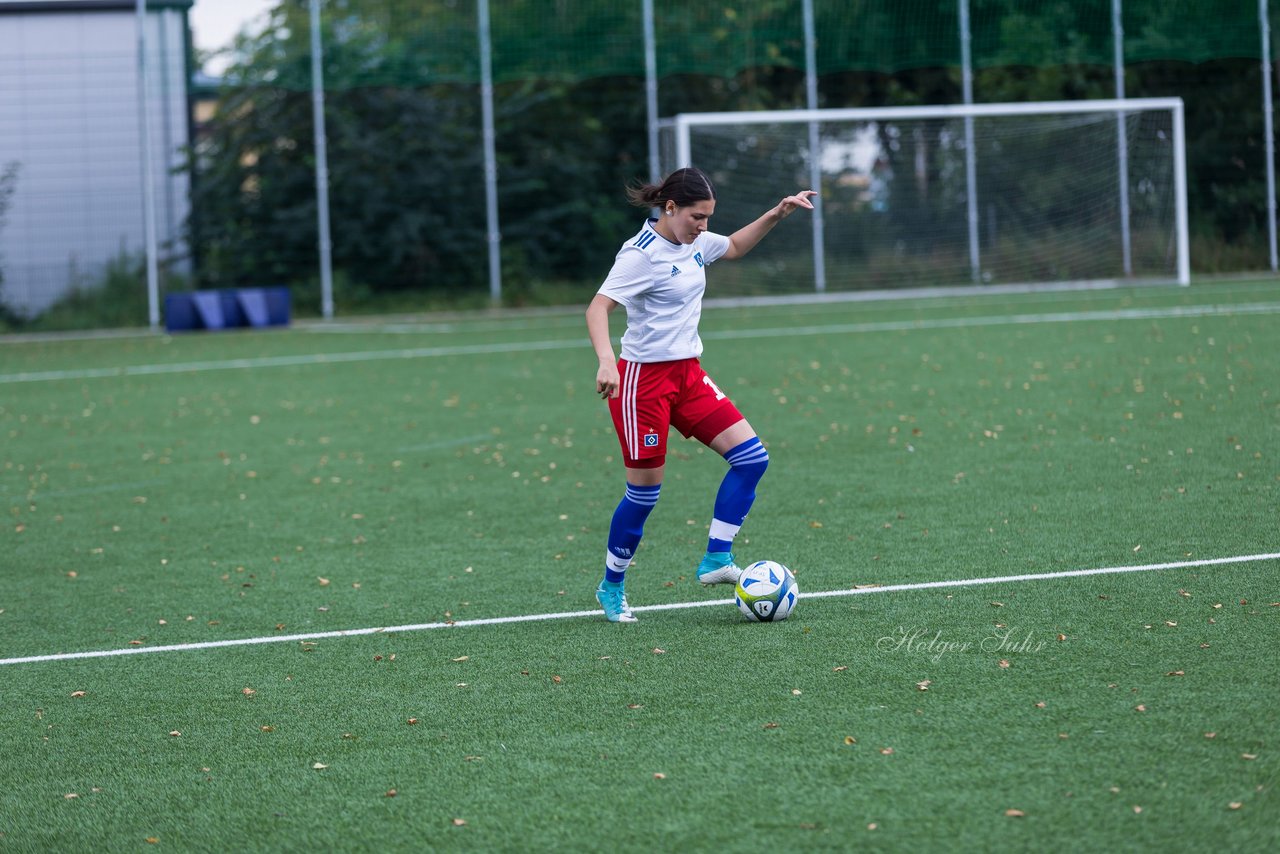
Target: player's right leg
(626, 529)
(641, 417)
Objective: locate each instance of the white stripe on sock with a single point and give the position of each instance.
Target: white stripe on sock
(723, 530)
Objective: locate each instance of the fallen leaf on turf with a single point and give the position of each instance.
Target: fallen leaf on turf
(152, 840)
(412, 721)
(1014, 813)
(557, 679)
(770, 725)
(872, 826)
(459, 822)
(923, 685)
(248, 692)
(1210, 735)
(848, 739)
(461, 658)
(267, 728)
(1140, 708)
(391, 793)
(1004, 663)
(658, 650)
(1137, 809)
(175, 733)
(997, 604)
(1176, 673)
(1248, 756)
(77, 693)
(635, 705)
(886, 750)
(1234, 805)
(795, 692)
(319, 766)
(842, 668)
(1040, 705)
(70, 796)
(1062, 637)
(324, 582)
(659, 776)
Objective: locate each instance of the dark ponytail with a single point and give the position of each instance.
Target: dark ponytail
(683, 186)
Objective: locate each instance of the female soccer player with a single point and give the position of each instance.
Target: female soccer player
(659, 277)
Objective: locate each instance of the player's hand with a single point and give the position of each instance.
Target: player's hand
(799, 200)
(607, 381)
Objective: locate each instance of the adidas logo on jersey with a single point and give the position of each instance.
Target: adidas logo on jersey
(675, 271)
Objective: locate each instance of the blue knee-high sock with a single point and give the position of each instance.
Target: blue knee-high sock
(627, 528)
(747, 463)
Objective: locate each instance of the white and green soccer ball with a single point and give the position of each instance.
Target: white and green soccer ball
(766, 592)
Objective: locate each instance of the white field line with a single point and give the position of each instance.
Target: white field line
(671, 606)
(576, 343)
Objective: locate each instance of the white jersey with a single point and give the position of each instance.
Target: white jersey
(660, 284)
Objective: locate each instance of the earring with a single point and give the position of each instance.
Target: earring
(671, 213)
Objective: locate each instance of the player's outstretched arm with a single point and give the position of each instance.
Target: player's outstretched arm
(607, 380)
(744, 239)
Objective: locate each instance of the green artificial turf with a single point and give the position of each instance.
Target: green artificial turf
(205, 488)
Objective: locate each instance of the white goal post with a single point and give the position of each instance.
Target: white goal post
(1066, 192)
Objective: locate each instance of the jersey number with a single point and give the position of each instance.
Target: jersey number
(714, 387)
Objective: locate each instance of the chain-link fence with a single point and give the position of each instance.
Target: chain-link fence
(428, 202)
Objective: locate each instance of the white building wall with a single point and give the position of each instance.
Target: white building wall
(69, 118)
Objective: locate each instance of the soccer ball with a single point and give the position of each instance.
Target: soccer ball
(766, 592)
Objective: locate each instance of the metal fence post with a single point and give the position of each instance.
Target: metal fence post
(148, 176)
(1122, 137)
(493, 235)
(322, 165)
(1264, 23)
(815, 149)
(970, 156)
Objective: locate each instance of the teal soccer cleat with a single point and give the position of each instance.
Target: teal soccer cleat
(718, 568)
(613, 598)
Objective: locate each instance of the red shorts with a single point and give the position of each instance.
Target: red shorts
(658, 395)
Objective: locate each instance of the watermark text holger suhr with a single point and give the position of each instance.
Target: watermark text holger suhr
(917, 640)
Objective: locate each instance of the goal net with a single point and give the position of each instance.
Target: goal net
(987, 194)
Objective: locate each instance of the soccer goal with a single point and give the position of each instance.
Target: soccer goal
(1033, 194)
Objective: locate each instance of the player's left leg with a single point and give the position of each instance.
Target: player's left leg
(748, 459)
